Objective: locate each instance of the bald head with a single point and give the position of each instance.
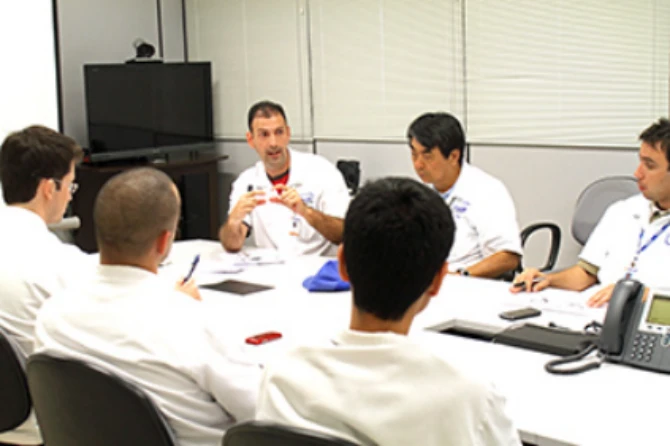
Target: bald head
(133, 209)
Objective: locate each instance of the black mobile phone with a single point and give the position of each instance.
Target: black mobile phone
(521, 313)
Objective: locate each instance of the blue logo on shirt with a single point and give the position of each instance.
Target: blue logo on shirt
(459, 206)
(308, 198)
(667, 239)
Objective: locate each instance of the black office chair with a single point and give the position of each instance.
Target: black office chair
(16, 402)
(79, 404)
(264, 433)
(351, 171)
(554, 246)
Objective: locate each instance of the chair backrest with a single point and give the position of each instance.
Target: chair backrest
(79, 404)
(16, 403)
(264, 433)
(351, 171)
(595, 199)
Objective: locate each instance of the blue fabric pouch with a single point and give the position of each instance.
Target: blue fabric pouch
(327, 279)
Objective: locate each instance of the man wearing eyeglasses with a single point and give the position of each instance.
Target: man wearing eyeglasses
(37, 171)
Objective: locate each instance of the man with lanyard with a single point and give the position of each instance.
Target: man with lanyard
(487, 240)
(632, 238)
(291, 201)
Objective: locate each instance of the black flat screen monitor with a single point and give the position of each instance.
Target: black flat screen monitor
(138, 109)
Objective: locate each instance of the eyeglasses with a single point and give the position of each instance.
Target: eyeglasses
(73, 186)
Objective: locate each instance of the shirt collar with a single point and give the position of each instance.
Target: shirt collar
(656, 213)
(262, 175)
(456, 190)
(364, 338)
(123, 273)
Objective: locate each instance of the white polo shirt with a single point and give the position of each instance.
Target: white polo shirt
(34, 264)
(135, 324)
(320, 185)
(485, 218)
(616, 239)
(383, 389)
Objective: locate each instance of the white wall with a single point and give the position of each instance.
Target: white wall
(28, 83)
(378, 159)
(545, 183)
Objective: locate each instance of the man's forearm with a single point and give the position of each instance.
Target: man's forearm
(574, 278)
(328, 226)
(495, 265)
(232, 235)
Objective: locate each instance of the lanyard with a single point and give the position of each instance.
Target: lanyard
(643, 247)
(446, 194)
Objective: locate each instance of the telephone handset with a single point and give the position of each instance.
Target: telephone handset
(636, 332)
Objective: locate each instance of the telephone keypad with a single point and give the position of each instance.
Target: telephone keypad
(643, 345)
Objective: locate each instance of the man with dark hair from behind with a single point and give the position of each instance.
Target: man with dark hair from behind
(37, 172)
(487, 240)
(632, 238)
(289, 200)
(132, 322)
(373, 385)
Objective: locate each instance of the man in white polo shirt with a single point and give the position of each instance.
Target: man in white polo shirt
(487, 240)
(372, 384)
(126, 319)
(37, 170)
(633, 236)
(290, 201)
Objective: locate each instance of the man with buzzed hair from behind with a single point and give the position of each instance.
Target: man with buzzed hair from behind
(170, 353)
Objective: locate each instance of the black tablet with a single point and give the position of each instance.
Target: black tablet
(237, 287)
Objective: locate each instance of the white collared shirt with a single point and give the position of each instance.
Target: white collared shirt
(485, 218)
(133, 323)
(382, 389)
(34, 264)
(320, 185)
(616, 239)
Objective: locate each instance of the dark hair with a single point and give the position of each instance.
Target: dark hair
(397, 235)
(440, 130)
(658, 132)
(133, 208)
(31, 154)
(265, 109)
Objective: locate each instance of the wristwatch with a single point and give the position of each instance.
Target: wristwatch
(463, 272)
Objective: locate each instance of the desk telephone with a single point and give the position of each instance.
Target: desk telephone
(635, 332)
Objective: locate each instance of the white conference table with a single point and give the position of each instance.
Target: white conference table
(612, 405)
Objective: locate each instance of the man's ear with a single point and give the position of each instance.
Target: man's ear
(288, 131)
(436, 284)
(47, 188)
(455, 156)
(163, 242)
(250, 140)
(341, 264)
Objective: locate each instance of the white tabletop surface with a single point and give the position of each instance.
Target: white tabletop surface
(613, 405)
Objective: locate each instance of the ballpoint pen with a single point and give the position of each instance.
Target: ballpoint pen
(193, 265)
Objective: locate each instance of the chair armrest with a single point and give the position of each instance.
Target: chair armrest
(66, 224)
(555, 241)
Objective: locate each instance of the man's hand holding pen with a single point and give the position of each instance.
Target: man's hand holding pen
(187, 285)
